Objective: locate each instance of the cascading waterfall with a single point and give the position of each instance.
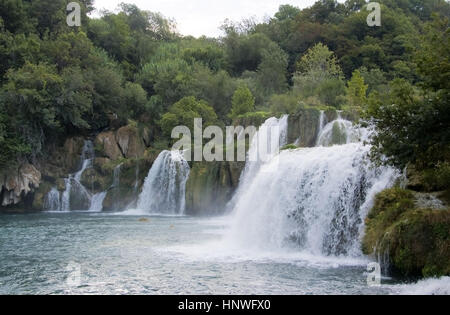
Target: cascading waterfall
(136, 180)
(164, 189)
(97, 202)
(116, 178)
(53, 200)
(321, 126)
(340, 132)
(314, 200)
(271, 136)
(74, 188)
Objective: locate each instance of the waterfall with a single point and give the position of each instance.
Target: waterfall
(53, 201)
(116, 178)
(65, 198)
(314, 200)
(74, 188)
(97, 202)
(164, 189)
(341, 132)
(321, 126)
(271, 136)
(265, 145)
(136, 180)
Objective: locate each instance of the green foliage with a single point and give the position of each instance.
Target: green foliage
(11, 147)
(243, 102)
(289, 147)
(356, 94)
(319, 75)
(319, 62)
(413, 123)
(438, 178)
(131, 64)
(184, 112)
(375, 80)
(284, 103)
(29, 97)
(252, 119)
(356, 90)
(135, 99)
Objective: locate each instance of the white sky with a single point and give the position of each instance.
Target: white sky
(204, 17)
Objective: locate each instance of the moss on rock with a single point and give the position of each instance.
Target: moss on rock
(211, 186)
(40, 195)
(289, 147)
(304, 127)
(417, 241)
(255, 119)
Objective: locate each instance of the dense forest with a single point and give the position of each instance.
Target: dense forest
(57, 81)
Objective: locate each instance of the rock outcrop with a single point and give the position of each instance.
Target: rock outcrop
(211, 186)
(304, 127)
(130, 141)
(406, 238)
(129, 176)
(18, 184)
(106, 143)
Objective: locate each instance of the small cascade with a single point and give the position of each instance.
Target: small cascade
(53, 201)
(164, 189)
(136, 181)
(116, 178)
(313, 200)
(65, 198)
(341, 132)
(75, 195)
(97, 202)
(266, 144)
(321, 125)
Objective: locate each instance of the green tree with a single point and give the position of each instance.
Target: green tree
(272, 71)
(356, 91)
(243, 102)
(30, 96)
(284, 103)
(135, 99)
(319, 74)
(184, 112)
(413, 124)
(12, 147)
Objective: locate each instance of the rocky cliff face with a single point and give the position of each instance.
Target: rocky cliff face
(304, 127)
(27, 187)
(17, 184)
(211, 186)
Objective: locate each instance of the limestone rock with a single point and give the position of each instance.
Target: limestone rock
(304, 127)
(40, 196)
(18, 183)
(415, 180)
(211, 186)
(146, 136)
(70, 158)
(130, 142)
(109, 147)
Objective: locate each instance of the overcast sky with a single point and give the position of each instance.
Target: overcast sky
(204, 17)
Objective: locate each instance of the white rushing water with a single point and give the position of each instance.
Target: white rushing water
(53, 200)
(116, 176)
(164, 189)
(265, 146)
(56, 201)
(340, 132)
(313, 199)
(97, 202)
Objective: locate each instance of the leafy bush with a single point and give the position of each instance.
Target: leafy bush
(184, 112)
